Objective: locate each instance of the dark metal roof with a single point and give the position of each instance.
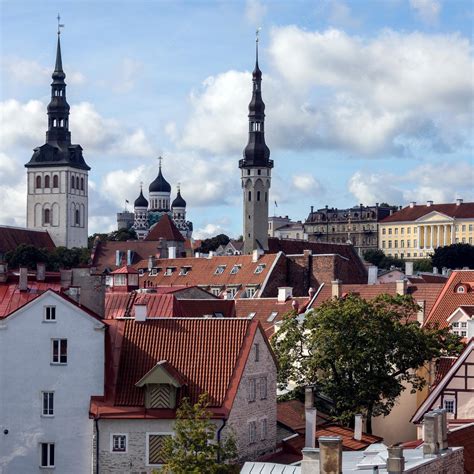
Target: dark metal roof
(160, 185)
(141, 200)
(179, 201)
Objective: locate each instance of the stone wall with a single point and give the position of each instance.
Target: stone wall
(450, 462)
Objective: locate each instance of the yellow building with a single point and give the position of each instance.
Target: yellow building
(417, 230)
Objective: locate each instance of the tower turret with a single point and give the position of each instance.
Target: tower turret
(178, 208)
(140, 208)
(159, 192)
(256, 169)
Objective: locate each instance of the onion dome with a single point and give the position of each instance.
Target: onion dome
(160, 185)
(141, 200)
(179, 201)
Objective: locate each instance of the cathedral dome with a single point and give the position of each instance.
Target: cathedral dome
(179, 201)
(141, 201)
(160, 185)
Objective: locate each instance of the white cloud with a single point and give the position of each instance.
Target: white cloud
(340, 14)
(427, 10)
(209, 230)
(129, 70)
(13, 199)
(307, 184)
(255, 11)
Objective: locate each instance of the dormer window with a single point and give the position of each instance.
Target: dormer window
(235, 269)
(260, 268)
(184, 270)
(220, 269)
(154, 271)
(169, 271)
(461, 289)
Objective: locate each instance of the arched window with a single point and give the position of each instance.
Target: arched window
(73, 182)
(258, 195)
(77, 217)
(47, 216)
(46, 181)
(55, 181)
(82, 184)
(77, 182)
(250, 195)
(38, 182)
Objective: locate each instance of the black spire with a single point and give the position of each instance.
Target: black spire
(256, 152)
(58, 149)
(159, 185)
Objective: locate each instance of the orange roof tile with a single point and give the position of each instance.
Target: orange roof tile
(127, 269)
(291, 413)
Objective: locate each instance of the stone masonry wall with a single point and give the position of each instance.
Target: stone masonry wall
(450, 462)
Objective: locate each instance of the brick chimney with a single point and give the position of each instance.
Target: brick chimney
(330, 454)
(336, 288)
(23, 281)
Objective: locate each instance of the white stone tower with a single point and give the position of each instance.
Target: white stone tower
(57, 198)
(256, 168)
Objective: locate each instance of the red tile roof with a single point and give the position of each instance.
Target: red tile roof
(407, 214)
(193, 347)
(442, 368)
(12, 237)
(449, 300)
(291, 414)
(126, 269)
(165, 229)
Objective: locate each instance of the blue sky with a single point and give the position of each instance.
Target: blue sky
(367, 101)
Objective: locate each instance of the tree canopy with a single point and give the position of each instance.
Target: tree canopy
(193, 449)
(378, 258)
(359, 353)
(454, 256)
(213, 243)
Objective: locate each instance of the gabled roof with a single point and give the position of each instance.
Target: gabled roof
(193, 347)
(165, 229)
(291, 414)
(449, 300)
(438, 389)
(126, 269)
(407, 214)
(12, 237)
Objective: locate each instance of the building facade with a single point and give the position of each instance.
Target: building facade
(256, 168)
(57, 176)
(417, 230)
(357, 225)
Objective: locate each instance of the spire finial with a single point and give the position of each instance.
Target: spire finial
(160, 160)
(179, 187)
(257, 32)
(141, 186)
(59, 24)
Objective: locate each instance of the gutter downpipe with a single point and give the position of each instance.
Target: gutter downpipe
(96, 420)
(224, 421)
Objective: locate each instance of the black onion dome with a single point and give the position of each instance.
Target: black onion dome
(141, 201)
(179, 201)
(160, 185)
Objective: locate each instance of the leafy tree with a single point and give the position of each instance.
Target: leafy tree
(454, 256)
(423, 265)
(378, 258)
(26, 256)
(359, 353)
(213, 243)
(123, 235)
(91, 239)
(192, 448)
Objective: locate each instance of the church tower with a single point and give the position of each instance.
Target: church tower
(256, 168)
(140, 207)
(57, 174)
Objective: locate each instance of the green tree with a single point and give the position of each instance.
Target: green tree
(423, 265)
(26, 256)
(213, 243)
(374, 256)
(454, 256)
(193, 449)
(123, 235)
(360, 353)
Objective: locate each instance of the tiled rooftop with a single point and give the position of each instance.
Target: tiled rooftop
(407, 214)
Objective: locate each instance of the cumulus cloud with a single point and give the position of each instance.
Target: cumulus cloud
(427, 10)
(209, 230)
(255, 11)
(438, 182)
(307, 184)
(13, 199)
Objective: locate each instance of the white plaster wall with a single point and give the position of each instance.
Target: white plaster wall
(26, 371)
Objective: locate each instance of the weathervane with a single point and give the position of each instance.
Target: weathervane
(60, 25)
(257, 33)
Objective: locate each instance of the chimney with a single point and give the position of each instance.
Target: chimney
(444, 271)
(442, 428)
(312, 209)
(118, 258)
(430, 434)
(429, 203)
(171, 252)
(413, 204)
(395, 460)
(420, 315)
(256, 254)
(330, 454)
(401, 286)
(310, 461)
(459, 202)
(74, 292)
(129, 256)
(310, 417)
(66, 278)
(40, 272)
(295, 305)
(140, 312)
(358, 427)
(311, 292)
(151, 262)
(372, 272)
(284, 292)
(23, 283)
(336, 288)
(212, 253)
(3, 272)
(409, 268)
(435, 270)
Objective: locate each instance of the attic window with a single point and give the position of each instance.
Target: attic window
(169, 271)
(259, 268)
(154, 271)
(184, 270)
(141, 271)
(235, 269)
(220, 269)
(272, 316)
(461, 289)
(218, 315)
(251, 315)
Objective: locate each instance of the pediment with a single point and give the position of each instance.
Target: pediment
(434, 216)
(162, 373)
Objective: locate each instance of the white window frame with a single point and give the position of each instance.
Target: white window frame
(220, 269)
(272, 316)
(251, 315)
(154, 433)
(49, 310)
(43, 394)
(48, 464)
(231, 292)
(235, 269)
(450, 399)
(250, 292)
(112, 444)
(153, 272)
(260, 268)
(169, 271)
(58, 362)
(216, 291)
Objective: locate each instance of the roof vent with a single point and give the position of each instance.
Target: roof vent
(459, 201)
(413, 204)
(140, 312)
(429, 203)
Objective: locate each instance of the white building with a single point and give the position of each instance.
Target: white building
(51, 363)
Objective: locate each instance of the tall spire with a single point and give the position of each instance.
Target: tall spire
(58, 68)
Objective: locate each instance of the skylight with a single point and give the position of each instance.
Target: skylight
(272, 316)
(260, 268)
(219, 270)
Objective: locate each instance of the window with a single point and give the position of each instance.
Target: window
(256, 350)
(470, 227)
(415, 244)
(216, 291)
(383, 231)
(38, 182)
(272, 316)
(184, 270)
(409, 230)
(155, 446)
(460, 289)
(449, 405)
(47, 455)
(258, 195)
(395, 244)
(77, 217)
(169, 271)
(50, 313)
(463, 228)
(250, 195)
(252, 432)
(118, 443)
(402, 230)
(383, 244)
(220, 269)
(263, 388)
(396, 230)
(389, 231)
(235, 269)
(82, 184)
(250, 292)
(77, 182)
(389, 244)
(402, 243)
(47, 216)
(264, 429)
(73, 181)
(59, 355)
(48, 404)
(231, 292)
(252, 389)
(154, 272)
(251, 315)
(55, 181)
(46, 181)
(408, 243)
(260, 268)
